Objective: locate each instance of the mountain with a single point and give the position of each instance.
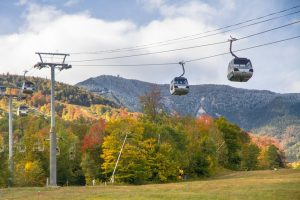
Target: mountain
(258, 111)
(71, 102)
(63, 92)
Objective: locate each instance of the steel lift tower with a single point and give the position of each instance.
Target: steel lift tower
(61, 65)
(11, 92)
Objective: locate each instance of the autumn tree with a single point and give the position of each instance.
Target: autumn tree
(91, 150)
(132, 166)
(29, 173)
(151, 104)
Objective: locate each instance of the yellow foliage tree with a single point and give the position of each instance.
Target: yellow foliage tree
(30, 173)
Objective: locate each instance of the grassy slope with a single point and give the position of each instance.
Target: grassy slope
(281, 184)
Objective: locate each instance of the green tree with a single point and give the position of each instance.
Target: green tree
(234, 138)
(4, 174)
(162, 162)
(90, 168)
(203, 162)
(274, 157)
(250, 155)
(163, 154)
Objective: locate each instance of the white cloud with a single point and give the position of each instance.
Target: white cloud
(192, 9)
(37, 17)
(22, 2)
(50, 30)
(70, 3)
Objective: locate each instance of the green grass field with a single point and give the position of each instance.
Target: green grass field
(269, 185)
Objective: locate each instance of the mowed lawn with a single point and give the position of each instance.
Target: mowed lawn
(269, 185)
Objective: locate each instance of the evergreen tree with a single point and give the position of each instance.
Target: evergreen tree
(250, 155)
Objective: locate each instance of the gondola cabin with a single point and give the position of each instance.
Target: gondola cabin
(2, 90)
(22, 110)
(240, 70)
(57, 151)
(38, 146)
(179, 86)
(22, 148)
(28, 87)
(71, 154)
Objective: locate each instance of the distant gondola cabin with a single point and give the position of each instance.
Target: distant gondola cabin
(179, 86)
(22, 110)
(28, 87)
(240, 70)
(2, 90)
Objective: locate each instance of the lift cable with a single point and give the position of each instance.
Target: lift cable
(185, 48)
(187, 61)
(166, 42)
(32, 72)
(244, 49)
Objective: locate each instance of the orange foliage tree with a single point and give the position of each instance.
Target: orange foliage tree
(94, 137)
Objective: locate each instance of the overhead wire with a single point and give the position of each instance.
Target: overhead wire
(241, 27)
(150, 53)
(244, 49)
(187, 61)
(205, 36)
(186, 48)
(32, 72)
(125, 65)
(167, 42)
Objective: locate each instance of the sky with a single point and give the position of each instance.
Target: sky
(86, 28)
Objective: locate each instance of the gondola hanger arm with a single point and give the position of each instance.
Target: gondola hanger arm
(25, 72)
(232, 39)
(182, 63)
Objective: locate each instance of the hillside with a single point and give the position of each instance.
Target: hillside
(258, 111)
(63, 92)
(160, 148)
(72, 102)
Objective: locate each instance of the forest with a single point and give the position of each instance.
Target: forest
(159, 147)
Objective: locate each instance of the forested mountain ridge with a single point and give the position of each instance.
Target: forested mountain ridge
(258, 111)
(71, 102)
(63, 92)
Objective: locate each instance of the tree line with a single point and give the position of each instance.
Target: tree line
(160, 147)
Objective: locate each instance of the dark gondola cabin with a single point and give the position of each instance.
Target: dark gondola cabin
(28, 87)
(2, 90)
(240, 70)
(179, 86)
(57, 151)
(22, 110)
